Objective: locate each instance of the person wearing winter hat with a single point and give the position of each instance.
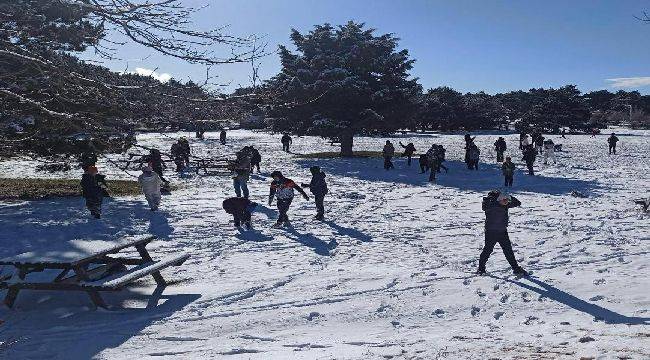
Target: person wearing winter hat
(282, 189)
(94, 189)
(496, 206)
(318, 188)
(150, 183)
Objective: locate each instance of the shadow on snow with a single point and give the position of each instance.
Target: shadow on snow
(488, 176)
(598, 312)
(49, 224)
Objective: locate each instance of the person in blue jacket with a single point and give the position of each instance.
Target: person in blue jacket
(318, 187)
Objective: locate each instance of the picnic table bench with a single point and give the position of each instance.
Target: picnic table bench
(92, 269)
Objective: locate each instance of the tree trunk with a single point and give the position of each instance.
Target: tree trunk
(346, 144)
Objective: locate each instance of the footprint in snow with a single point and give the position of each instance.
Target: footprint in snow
(467, 282)
(596, 298)
(498, 315)
(475, 310)
(504, 298)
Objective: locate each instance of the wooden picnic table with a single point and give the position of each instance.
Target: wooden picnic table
(85, 268)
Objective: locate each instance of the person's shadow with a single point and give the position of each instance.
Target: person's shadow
(319, 246)
(353, 233)
(598, 312)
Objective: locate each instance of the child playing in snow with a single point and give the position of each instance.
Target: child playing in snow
(318, 187)
(240, 208)
(282, 189)
(549, 151)
(150, 183)
(93, 189)
(508, 169)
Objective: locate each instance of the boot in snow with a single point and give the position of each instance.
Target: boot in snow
(520, 272)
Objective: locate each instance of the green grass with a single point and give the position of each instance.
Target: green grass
(333, 154)
(37, 189)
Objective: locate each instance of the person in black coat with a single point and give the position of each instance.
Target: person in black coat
(424, 163)
(154, 159)
(612, 140)
(469, 144)
(408, 151)
(240, 208)
(318, 187)
(501, 147)
(496, 208)
(530, 154)
(94, 189)
(256, 158)
(286, 142)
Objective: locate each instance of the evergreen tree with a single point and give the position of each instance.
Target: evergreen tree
(341, 82)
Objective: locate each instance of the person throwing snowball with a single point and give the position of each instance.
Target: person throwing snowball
(496, 208)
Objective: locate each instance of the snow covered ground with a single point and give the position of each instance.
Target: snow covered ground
(388, 275)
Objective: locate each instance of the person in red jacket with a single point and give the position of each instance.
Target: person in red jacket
(282, 189)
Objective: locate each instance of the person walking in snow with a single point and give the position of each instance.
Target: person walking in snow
(500, 146)
(474, 154)
(440, 152)
(282, 189)
(508, 169)
(563, 133)
(241, 170)
(530, 154)
(549, 151)
(94, 189)
(469, 143)
(222, 136)
(432, 162)
(286, 142)
(524, 141)
(388, 152)
(240, 208)
(186, 150)
(177, 155)
(150, 184)
(612, 140)
(318, 188)
(408, 151)
(496, 208)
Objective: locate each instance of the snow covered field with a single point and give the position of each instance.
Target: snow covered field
(387, 276)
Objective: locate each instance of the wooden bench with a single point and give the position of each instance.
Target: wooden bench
(91, 272)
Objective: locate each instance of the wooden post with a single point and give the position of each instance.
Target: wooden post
(146, 257)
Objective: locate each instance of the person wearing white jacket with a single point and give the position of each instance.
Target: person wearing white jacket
(150, 183)
(549, 151)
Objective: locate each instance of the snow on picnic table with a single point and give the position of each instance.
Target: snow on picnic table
(388, 275)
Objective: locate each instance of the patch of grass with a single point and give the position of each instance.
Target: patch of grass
(37, 189)
(333, 155)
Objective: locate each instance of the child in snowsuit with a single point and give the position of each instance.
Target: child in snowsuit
(500, 146)
(240, 208)
(432, 162)
(222, 137)
(388, 152)
(318, 188)
(150, 183)
(539, 144)
(94, 189)
(508, 169)
(408, 151)
(549, 151)
(177, 154)
(154, 159)
(282, 189)
(496, 229)
(469, 144)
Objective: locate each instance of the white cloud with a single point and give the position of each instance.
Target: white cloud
(162, 77)
(630, 82)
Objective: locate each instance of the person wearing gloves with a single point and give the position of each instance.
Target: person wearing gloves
(150, 183)
(282, 189)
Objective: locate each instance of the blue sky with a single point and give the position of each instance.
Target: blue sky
(477, 45)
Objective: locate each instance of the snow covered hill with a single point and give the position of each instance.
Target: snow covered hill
(389, 275)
